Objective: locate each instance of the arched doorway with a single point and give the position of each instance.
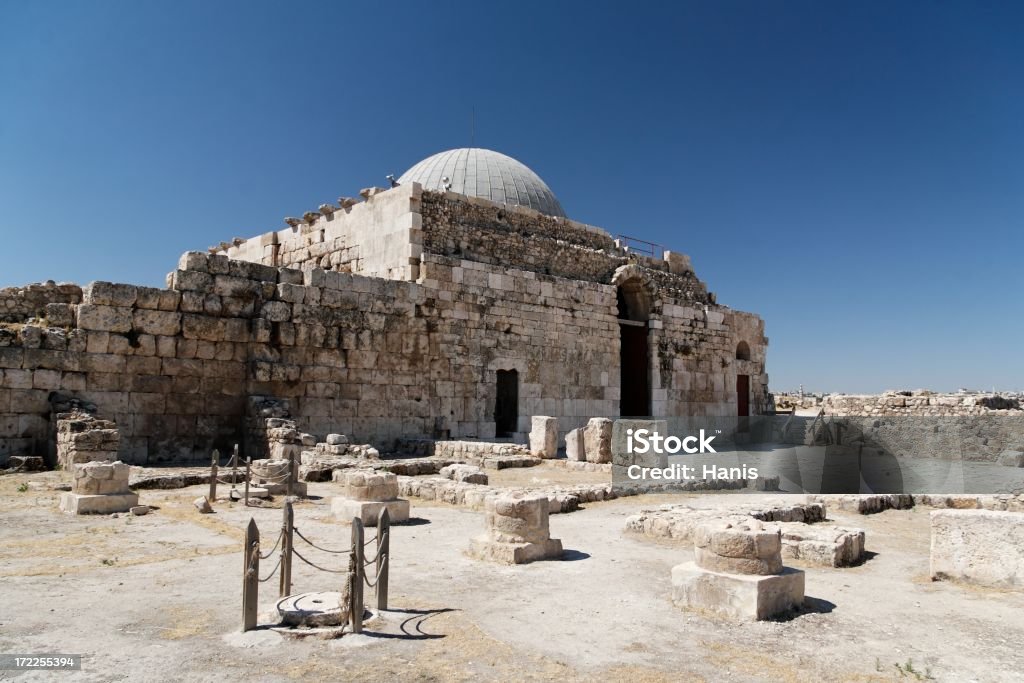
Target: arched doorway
(634, 362)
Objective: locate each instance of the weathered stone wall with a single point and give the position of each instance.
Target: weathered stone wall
(47, 300)
(477, 230)
(444, 292)
(380, 237)
(920, 404)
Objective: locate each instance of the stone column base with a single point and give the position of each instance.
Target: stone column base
(88, 504)
(369, 510)
(744, 596)
(298, 489)
(483, 548)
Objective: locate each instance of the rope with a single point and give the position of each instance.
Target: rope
(367, 561)
(271, 575)
(280, 535)
(323, 569)
(326, 550)
(379, 570)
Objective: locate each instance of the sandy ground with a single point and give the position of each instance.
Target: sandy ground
(158, 598)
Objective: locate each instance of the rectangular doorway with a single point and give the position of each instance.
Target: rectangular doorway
(743, 395)
(506, 404)
(634, 368)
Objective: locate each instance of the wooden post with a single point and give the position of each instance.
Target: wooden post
(214, 461)
(356, 615)
(250, 576)
(248, 476)
(291, 471)
(383, 559)
(234, 468)
(287, 531)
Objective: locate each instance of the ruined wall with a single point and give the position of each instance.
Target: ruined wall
(478, 230)
(380, 237)
(42, 300)
(919, 404)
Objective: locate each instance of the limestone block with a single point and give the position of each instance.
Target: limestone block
(597, 440)
(574, 445)
(337, 439)
(271, 469)
(544, 436)
(517, 518)
(1011, 459)
(104, 318)
(982, 547)
(60, 315)
(483, 548)
(109, 294)
(101, 478)
(746, 596)
(157, 322)
(738, 547)
(622, 457)
(369, 510)
(821, 545)
(85, 504)
(469, 474)
(368, 485)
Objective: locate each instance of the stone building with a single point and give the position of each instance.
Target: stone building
(456, 304)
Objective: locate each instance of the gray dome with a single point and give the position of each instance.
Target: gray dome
(486, 174)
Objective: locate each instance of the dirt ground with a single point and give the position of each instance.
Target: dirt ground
(158, 598)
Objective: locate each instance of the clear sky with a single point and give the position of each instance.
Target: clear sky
(852, 171)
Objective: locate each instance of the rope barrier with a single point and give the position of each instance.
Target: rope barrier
(326, 550)
(280, 535)
(271, 575)
(314, 566)
(377, 578)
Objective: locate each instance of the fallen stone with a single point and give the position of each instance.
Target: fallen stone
(203, 505)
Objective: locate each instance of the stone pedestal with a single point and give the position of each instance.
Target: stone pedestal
(597, 440)
(544, 437)
(469, 474)
(365, 494)
(99, 488)
(740, 596)
(738, 572)
(517, 531)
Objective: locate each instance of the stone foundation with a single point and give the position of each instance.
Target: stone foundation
(738, 572)
(517, 531)
(748, 597)
(99, 488)
(365, 494)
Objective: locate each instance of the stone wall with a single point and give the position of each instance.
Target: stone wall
(920, 404)
(444, 292)
(380, 237)
(47, 300)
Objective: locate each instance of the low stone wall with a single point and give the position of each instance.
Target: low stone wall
(919, 404)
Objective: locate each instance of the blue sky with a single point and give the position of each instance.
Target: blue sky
(853, 172)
